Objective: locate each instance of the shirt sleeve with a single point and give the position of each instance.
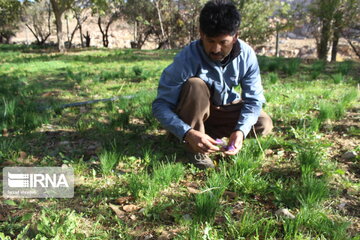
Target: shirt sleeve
(252, 94)
(164, 105)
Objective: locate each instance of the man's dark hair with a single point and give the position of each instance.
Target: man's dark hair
(219, 17)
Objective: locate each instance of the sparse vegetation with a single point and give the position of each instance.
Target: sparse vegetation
(131, 181)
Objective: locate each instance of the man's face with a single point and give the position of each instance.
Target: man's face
(218, 48)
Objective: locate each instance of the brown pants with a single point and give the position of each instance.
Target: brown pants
(195, 109)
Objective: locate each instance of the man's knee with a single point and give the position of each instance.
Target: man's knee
(197, 85)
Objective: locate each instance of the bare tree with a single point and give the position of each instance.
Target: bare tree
(80, 11)
(59, 7)
(108, 12)
(37, 18)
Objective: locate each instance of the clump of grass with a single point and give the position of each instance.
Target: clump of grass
(331, 111)
(145, 186)
(317, 68)
(313, 190)
(108, 161)
(345, 67)
(286, 192)
(310, 222)
(326, 111)
(348, 98)
(77, 77)
(137, 71)
(58, 225)
(309, 159)
(251, 225)
(273, 77)
(207, 202)
(7, 109)
(291, 66)
(338, 78)
(274, 64)
(243, 175)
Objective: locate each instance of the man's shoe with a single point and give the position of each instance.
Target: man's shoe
(202, 161)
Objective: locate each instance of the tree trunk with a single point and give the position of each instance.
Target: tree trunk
(81, 36)
(357, 51)
(58, 12)
(60, 33)
(68, 31)
(73, 34)
(87, 39)
(105, 38)
(164, 42)
(277, 44)
(335, 43)
(324, 40)
(336, 37)
(33, 33)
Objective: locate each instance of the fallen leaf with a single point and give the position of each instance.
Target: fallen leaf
(220, 219)
(2, 218)
(284, 213)
(117, 210)
(269, 152)
(22, 155)
(165, 235)
(130, 208)
(193, 190)
(122, 200)
(192, 184)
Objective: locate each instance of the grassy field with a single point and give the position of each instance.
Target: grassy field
(133, 182)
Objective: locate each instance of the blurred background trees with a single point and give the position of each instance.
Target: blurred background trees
(174, 23)
(10, 16)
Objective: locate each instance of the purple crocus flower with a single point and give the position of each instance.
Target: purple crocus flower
(220, 142)
(230, 148)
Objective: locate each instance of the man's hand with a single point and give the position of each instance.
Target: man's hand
(201, 142)
(235, 143)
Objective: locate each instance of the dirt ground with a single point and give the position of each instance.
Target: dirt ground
(345, 137)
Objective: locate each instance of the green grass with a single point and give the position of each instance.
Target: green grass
(108, 161)
(207, 202)
(119, 151)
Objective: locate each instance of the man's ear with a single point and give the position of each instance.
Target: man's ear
(235, 38)
(202, 35)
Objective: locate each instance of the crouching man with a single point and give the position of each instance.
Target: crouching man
(196, 99)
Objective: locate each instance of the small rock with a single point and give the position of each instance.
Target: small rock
(349, 155)
(133, 217)
(283, 212)
(187, 217)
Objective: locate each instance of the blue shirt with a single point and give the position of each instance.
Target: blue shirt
(192, 61)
